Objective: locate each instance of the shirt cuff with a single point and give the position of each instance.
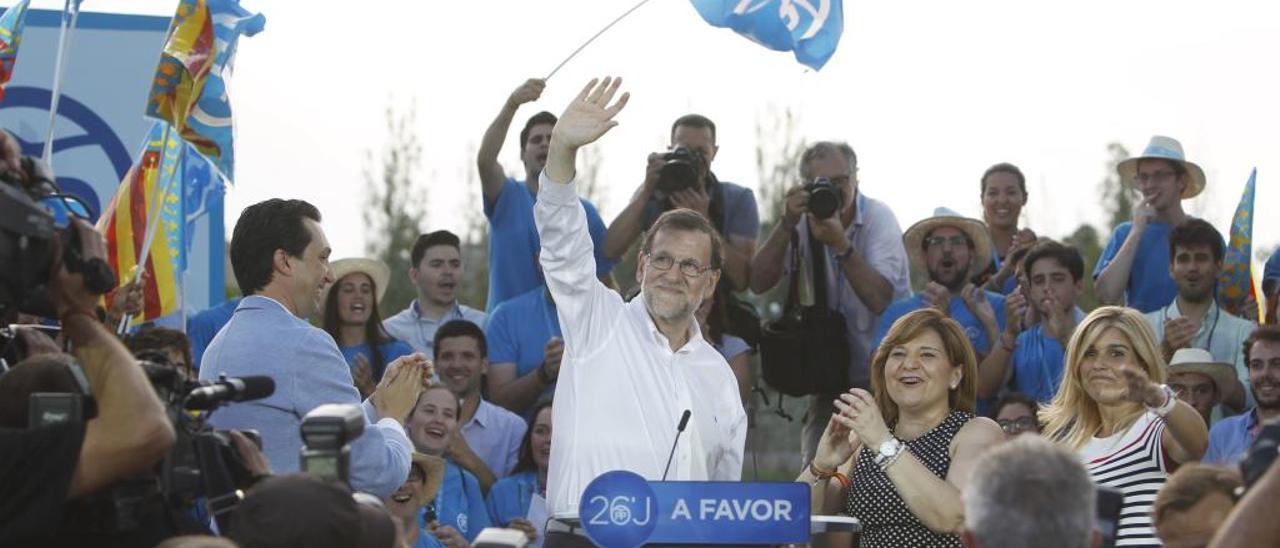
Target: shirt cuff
(554, 192)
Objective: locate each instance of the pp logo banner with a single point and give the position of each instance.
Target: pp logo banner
(618, 509)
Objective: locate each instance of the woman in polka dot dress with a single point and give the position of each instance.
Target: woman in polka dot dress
(897, 460)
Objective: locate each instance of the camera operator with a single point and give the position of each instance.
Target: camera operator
(864, 259)
(43, 468)
(682, 178)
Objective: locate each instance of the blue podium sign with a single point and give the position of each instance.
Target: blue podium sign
(621, 509)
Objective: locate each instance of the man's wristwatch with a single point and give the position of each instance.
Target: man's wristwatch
(889, 451)
(840, 257)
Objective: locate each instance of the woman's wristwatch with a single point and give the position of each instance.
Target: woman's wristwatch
(889, 452)
(1170, 401)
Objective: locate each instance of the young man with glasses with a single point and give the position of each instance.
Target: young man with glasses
(630, 370)
(1134, 267)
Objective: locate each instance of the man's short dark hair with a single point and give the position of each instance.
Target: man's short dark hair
(1195, 231)
(687, 220)
(39, 373)
(460, 328)
(541, 118)
(430, 240)
(694, 120)
(1067, 256)
(1264, 333)
(1005, 167)
(263, 228)
(160, 339)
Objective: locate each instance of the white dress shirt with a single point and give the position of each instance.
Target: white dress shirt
(621, 390)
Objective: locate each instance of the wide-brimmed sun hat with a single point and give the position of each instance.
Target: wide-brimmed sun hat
(1199, 360)
(913, 239)
(375, 269)
(433, 468)
(1169, 149)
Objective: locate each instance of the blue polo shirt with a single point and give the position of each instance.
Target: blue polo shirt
(1230, 439)
(460, 503)
(519, 329)
(514, 243)
(390, 351)
(204, 325)
(1150, 287)
(958, 312)
(509, 497)
(1037, 364)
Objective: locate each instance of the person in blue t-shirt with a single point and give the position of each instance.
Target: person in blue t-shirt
(952, 249)
(426, 474)
(351, 317)
(508, 203)
(730, 207)
(1054, 276)
(525, 348)
(1004, 193)
(510, 498)
(458, 512)
(1134, 267)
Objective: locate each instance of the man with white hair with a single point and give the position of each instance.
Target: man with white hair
(1030, 492)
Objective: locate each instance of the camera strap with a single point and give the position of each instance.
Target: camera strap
(818, 255)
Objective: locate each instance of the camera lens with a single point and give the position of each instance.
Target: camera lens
(824, 198)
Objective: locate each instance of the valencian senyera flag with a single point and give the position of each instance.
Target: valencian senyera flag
(1235, 283)
(189, 90)
(809, 28)
(142, 199)
(11, 24)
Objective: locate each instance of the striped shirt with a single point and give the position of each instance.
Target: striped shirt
(1135, 462)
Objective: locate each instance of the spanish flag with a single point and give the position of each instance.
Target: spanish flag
(148, 198)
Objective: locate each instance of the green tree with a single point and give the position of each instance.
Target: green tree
(394, 210)
(778, 151)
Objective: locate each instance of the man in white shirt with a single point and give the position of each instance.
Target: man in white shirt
(630, 370)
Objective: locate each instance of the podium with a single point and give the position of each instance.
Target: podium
(621, 509)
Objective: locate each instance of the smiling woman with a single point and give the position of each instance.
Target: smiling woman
(1111, 402)
(351, 317)
(902, 456)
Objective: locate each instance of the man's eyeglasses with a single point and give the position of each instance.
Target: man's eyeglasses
(688, 267)
(1157, 176)
(939, 241)
(1018, 425)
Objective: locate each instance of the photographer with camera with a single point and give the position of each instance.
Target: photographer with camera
(41, 469)
(280, 257)
(682, 178)
(862, 253)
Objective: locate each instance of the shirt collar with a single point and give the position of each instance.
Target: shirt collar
(1172, 311)
(483, 412)
(456, 311)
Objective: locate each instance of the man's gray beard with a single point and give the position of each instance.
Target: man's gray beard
(653, 307)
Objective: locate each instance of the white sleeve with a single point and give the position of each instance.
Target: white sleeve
(585, 306)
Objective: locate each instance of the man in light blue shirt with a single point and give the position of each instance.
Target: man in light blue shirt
(281, 260)
(508, 203)
(1055, 277)
(525, 348)
(436, 273)
(1231, 437)
(1193, 318)
(860, 246)
(1133, 269)
(490, 434)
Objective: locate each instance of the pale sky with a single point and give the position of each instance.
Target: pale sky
(928, 93)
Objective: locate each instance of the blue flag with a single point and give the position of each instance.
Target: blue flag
(810, 28)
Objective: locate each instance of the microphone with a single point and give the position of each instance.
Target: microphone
(230, 390)
(684, 421)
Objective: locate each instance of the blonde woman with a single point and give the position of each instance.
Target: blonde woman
(898, 460)
(1113, 410)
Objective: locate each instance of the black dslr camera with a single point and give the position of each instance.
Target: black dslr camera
(327, 432)
(824, 198)
(682, 168)
(35, 221)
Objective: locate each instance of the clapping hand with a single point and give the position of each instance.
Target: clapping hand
(865, 419)
(937, 296)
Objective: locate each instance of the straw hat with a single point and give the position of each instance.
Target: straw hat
(913, 239)
(1164, 148)
(1199, 360)
(434, 468)
(375, 269)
